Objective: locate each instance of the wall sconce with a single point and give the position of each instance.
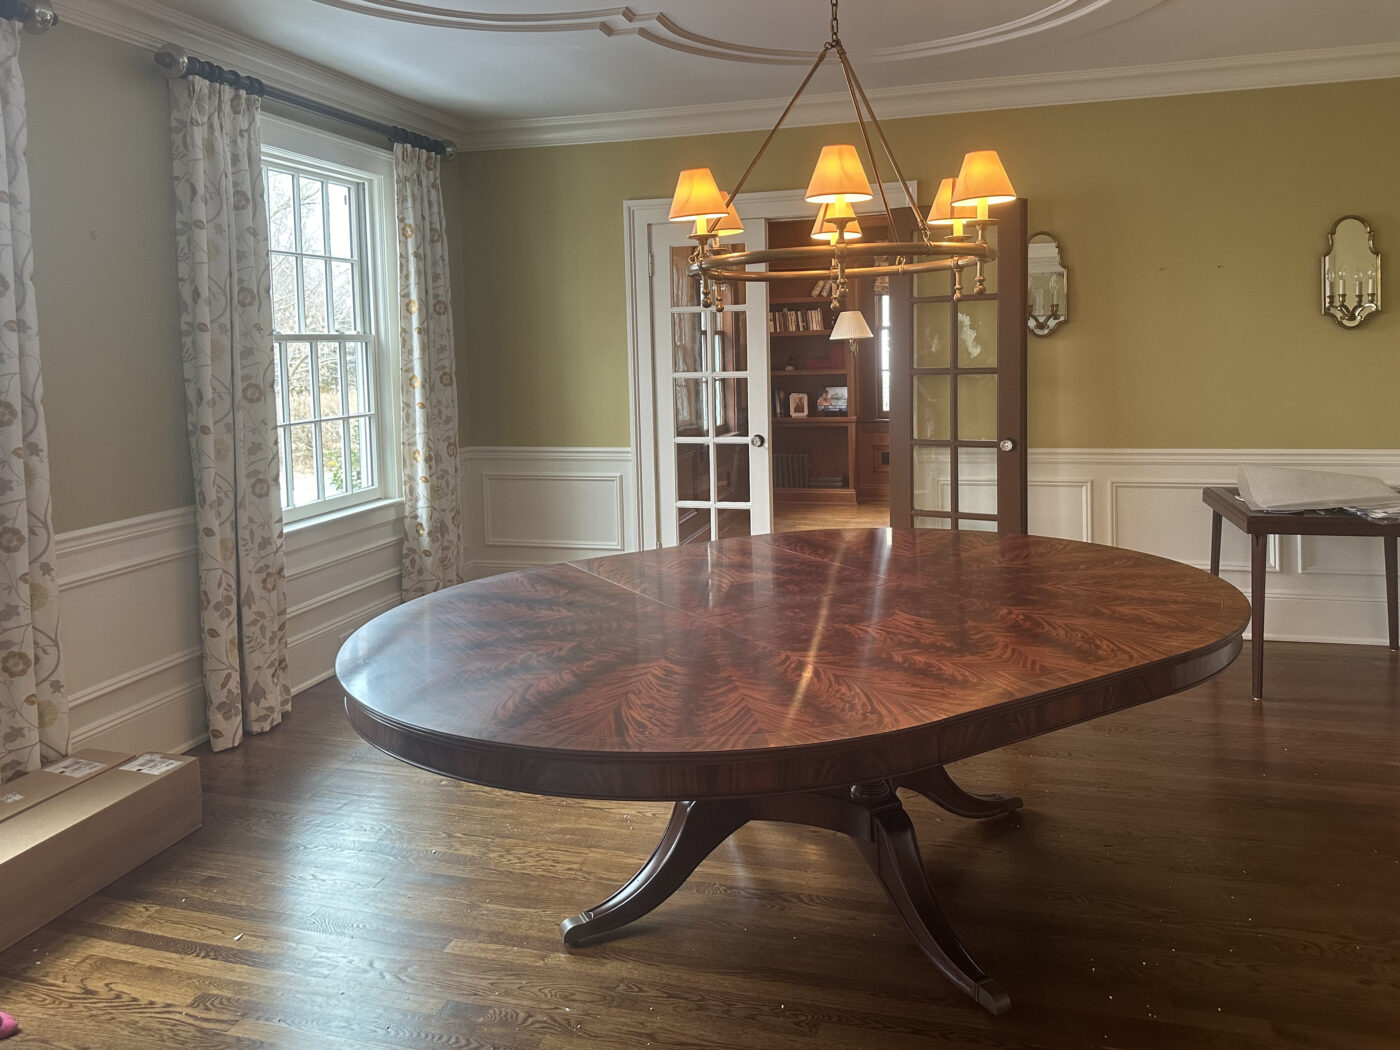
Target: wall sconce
(1351, 272)
(1047, 285)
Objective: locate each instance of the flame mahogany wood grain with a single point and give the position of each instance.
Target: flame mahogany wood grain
(772, 664)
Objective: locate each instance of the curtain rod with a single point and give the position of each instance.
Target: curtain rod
(38, 17)
(175, 63)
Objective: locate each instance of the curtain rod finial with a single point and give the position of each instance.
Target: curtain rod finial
(41, 18)
(173, 60)
(449, 149)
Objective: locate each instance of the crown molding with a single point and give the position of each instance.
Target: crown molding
(1205, 76)
(149, 24)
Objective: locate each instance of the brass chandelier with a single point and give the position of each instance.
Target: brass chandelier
(838, 182)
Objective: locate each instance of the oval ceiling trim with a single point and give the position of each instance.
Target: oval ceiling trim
(663, 30)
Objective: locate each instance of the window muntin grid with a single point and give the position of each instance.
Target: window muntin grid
(324, 337)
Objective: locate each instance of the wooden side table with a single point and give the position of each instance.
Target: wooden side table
(1260, 525)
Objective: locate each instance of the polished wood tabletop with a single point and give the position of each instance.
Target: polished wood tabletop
(778, 663)
(803, 678)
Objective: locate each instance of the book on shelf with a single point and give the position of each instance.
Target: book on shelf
(796, 321)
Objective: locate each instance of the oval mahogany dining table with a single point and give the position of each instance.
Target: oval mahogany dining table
(802, 677)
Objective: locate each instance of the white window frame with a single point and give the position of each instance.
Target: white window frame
(336, 157)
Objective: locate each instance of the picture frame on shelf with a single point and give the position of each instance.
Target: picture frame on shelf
(832, 401)
(797, 405)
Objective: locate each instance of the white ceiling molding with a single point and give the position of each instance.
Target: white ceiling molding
(657, 27)
(149, 24)
(1249, 72)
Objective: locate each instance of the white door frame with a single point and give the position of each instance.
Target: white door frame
(637, 216)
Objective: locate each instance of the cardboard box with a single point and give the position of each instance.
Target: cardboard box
(32, 788)
(65, 847)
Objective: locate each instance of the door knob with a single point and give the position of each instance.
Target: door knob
(756, 441)
(1006, 444)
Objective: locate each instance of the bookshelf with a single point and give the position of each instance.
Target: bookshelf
(814, 456)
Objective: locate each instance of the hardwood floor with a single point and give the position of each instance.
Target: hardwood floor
(1202, 871)
(801, 517)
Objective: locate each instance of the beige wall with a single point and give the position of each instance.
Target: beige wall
(1191, 226)
(99, 162)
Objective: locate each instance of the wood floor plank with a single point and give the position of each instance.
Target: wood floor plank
(1200, 872)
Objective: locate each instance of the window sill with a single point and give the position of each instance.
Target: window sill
(343, 522)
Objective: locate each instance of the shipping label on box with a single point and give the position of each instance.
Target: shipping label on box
(70, 845)
(32, 788)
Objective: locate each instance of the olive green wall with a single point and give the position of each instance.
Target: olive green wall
(104, 236)
(1191, 226)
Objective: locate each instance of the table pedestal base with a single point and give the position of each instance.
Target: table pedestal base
(870, 814)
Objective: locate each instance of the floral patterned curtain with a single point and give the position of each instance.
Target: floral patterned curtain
(226, 345)
(432, 515)
(33, 708)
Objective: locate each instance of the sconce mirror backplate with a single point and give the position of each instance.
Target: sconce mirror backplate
(1351, 272)
(1047, 285)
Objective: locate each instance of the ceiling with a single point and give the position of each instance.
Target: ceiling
(504, 72)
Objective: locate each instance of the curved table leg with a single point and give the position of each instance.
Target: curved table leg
(937, 786)
(696, 828)
(871, 815)
(893, 854)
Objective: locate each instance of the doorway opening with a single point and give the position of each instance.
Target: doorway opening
(830, 413)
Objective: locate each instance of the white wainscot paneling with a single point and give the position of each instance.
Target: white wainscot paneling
(341, 573)
(130, 617)
(129, 611)
(1320, 588)
(534, 506)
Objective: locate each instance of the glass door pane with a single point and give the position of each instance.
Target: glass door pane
(963, 407)
(711, 400)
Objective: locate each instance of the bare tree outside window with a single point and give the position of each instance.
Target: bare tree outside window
(326, 411)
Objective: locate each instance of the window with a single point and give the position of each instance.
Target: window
(329, 272)
(884, 334)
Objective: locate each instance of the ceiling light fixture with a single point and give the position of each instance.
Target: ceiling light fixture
(837, 182)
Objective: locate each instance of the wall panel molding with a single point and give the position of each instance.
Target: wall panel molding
(1320, 588)
(534, 506)
(1329, 590)
(130, 616)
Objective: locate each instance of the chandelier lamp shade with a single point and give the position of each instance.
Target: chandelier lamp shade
(942, 212)
(697, 197)
(824, 229)
(982, 181)
(838, 176)
(839, 181)
(729, 226)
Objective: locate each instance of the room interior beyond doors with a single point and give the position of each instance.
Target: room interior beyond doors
(831, 400)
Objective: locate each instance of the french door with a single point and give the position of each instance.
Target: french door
(958, 392)
(711, 393)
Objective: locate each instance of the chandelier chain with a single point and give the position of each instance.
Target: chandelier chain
(835, 23)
